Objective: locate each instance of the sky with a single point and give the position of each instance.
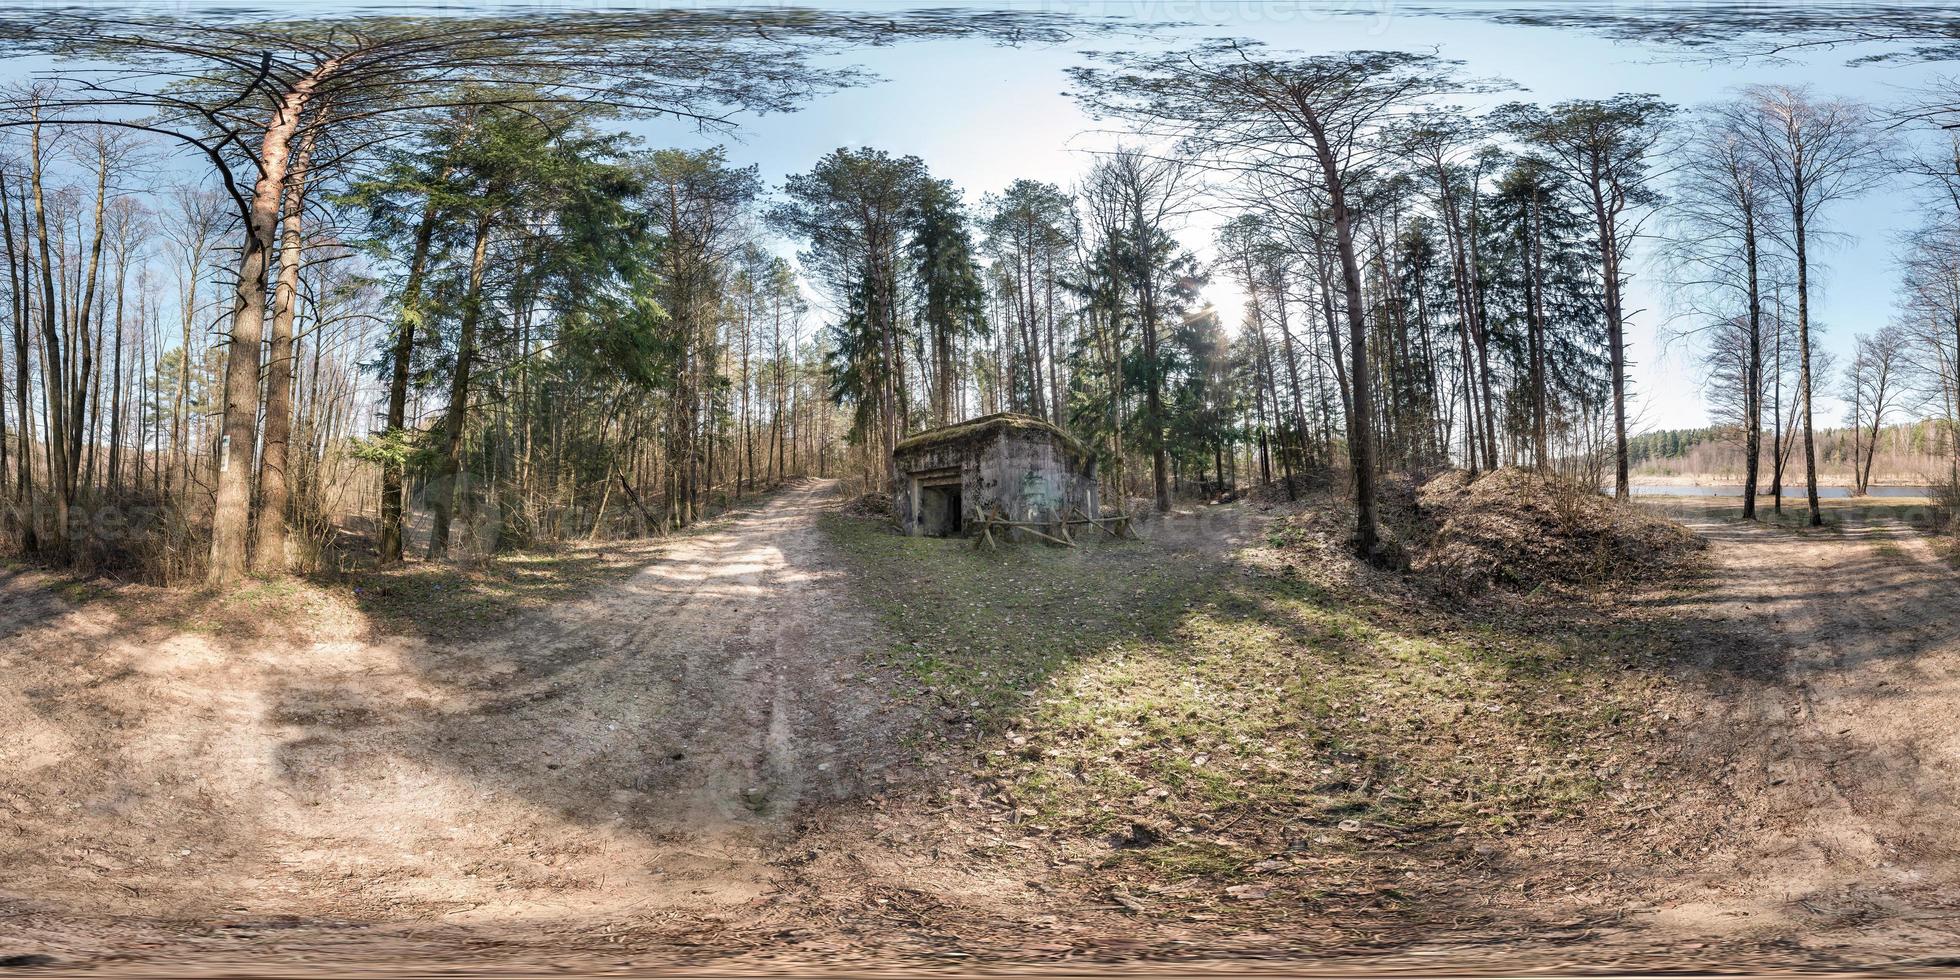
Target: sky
(985, 115)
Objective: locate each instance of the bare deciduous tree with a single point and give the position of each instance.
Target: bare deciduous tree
(1810, 154)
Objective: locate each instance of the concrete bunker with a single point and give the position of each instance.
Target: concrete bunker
(1004, 467)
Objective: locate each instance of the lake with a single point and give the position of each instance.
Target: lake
(1797, 492)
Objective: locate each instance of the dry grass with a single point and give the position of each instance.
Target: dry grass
(1943, 516)
(1193, 727)
(1516, 529)
(1283, 491)
(870, 505)
(460, 600)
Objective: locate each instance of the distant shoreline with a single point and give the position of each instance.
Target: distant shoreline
(1726, 480)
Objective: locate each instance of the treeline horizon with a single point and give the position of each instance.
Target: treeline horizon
(1908, 451)
(399, 294)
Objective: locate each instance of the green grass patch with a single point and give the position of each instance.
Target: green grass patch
(982, 628)
(1241, 715)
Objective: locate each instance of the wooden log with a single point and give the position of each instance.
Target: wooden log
(1050, 524)
(995, 521)
(1045, 536)
(1099, 524)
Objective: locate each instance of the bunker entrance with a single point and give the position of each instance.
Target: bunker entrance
(939, 510)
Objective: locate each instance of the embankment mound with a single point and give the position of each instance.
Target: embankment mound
(1513, 528)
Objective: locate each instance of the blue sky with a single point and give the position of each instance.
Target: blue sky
(985, 115)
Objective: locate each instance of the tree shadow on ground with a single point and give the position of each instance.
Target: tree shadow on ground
(635, 747)
(1157, 693)
(676, 730)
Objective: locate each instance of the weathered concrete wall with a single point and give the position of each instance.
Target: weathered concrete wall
(962, 458)
(1033, 478)
(1026, 474)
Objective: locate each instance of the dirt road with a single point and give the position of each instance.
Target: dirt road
(1836, 657)
(613, 759)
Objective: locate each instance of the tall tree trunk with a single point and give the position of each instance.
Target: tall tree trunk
(1535, 305)
(231, 515)
(1609, 249)
(1361, 442)
(1292, 372)
(1058, 399)
(400, 358)
(747, 456)
(1752, 397)
(1878, 420)
(1803, 362)
(15, 317)
(53, 373)
(180, 424)
(269, 548)
(1482, 332)
(446, 488)
(86, 333)
(1468, 331)
(21, 279)
(776, 430)
(1334, 356)
(1154, 398)
(1776, 414)
(116, 377)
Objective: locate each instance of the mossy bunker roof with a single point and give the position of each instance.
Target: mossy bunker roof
(984, 427)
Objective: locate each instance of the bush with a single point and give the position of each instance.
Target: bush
(870, 505)
(1945, 515)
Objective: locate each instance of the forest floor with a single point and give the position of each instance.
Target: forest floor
(1844, 740)
(791, 739)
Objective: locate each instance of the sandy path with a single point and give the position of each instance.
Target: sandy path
(639, 755)
(1837, 658)
(739, 652)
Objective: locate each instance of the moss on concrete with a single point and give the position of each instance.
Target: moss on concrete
(986, 425)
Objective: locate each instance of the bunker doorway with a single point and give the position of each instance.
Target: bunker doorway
(939, 510)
